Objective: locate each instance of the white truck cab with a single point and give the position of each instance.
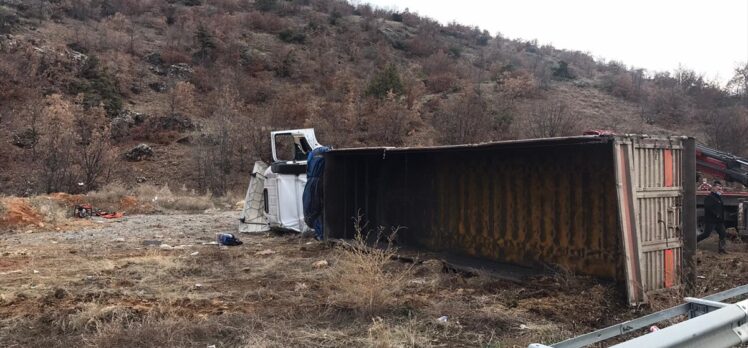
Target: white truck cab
(274, 195)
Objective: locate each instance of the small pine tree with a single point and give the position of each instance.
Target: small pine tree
(388, 80)
(205, 43)
(562, 72)
(266, 5)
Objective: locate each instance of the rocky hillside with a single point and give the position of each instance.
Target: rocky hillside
(202, 82)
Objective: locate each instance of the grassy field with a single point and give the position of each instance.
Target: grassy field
(155, 281)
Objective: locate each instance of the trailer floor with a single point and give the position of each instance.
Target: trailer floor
(112, 284)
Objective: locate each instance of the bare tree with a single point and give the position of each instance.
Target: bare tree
(181, 98)
(738, 85)
(471, 118)
(727, 130)
(551, 119)
(57, 144)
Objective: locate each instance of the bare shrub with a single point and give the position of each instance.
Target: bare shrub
(182, 98)
(517, 84)
(367, 279)
(147, 198)
(727, 130)
(57, 144)
(551, 119)
(53, 211)
(387, 122)
(441, 74)
(265, 21)
(470, 118)
(164, 198)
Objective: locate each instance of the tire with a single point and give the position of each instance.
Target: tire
(288, 168)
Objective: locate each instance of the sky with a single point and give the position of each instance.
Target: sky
(709, 37)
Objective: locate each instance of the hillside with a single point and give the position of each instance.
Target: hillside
(202, 82)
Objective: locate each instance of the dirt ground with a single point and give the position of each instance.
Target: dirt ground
(155, 281)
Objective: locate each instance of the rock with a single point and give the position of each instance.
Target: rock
(140, 179)
(119, 240)
(195, 253)
(165, 247)
(173, 122)
(26, 138)
(239, 205)
(158, 70)
(154, 58)
(77, 56)
(181, 70)
(320, 264)
(139, 153)
(120, 126)
(265, 252)
(157, 86)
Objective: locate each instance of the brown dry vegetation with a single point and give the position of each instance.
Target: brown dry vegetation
(100, 286)
(60, 291)
(204, 81)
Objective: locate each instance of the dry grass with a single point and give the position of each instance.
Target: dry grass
(409, 333)
(149, 198)
(53, 211)
(122, 294)
(367, 279)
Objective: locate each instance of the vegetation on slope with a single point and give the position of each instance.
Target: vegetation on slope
(204, 81)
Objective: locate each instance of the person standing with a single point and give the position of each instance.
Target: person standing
(714, 216)
(313, 196)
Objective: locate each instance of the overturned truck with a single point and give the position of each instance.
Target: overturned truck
(615, 207)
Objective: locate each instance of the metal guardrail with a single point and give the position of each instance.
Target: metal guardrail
(711, 324)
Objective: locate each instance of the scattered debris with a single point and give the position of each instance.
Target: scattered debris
(227, 239)
(523, 327)
(320, 264)
(265, 252)
(11, 272)
(442, 319)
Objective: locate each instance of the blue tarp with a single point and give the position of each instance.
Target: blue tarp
(312, 197)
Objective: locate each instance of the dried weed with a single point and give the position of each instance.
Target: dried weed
(366, 279)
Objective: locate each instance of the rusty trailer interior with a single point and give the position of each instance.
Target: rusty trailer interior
(613, 207)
